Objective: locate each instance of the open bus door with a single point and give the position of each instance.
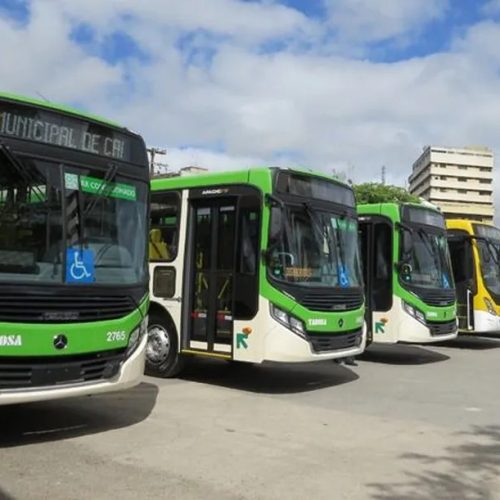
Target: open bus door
(221, 277)
(376, 250)
(462, 261)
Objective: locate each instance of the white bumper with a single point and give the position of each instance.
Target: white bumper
(130, 374)
(485, 322)
(285, 346)
(414, 332)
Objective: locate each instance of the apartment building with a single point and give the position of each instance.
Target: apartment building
(458, 180)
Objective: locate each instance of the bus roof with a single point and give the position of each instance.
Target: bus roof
(466, 224)
(225, 177)
(366, 207)
(58, 107)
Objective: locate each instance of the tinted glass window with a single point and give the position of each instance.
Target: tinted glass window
(314, 187)
(164, 231)
(423, 216)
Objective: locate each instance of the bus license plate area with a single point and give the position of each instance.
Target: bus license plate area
(49, 375)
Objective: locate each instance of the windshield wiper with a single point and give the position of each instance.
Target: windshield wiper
(435, 254)
(493, 251)
(22, 171)
(104, 188)
(339, 254)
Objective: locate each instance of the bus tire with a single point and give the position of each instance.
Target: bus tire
(163, 358)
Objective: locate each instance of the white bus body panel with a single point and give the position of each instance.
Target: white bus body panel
(484, 322)
(130, 374)
(399, 326)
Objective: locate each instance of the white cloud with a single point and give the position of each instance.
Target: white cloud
(41, 58)
(248, 21)
(292, 107)
(368, 20)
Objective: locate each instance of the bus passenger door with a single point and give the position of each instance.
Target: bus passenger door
(366, 238)
(462, 262)
(210, 275)
(376, 247)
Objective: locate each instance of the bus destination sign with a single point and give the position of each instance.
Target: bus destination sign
(40, 125)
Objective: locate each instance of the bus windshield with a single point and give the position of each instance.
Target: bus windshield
(427, 258)
(488, 245)
(313, 247)
(69, 225)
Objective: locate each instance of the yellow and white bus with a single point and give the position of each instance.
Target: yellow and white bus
(475, 255)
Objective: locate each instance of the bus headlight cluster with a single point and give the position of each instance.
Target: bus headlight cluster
(136, 336)
(414, 312)
(489, 306)
(288, 321)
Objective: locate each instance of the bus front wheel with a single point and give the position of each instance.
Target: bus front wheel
(162, 351)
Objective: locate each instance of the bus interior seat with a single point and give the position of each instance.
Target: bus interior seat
(158, 249)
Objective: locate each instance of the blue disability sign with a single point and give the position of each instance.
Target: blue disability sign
(80, 266)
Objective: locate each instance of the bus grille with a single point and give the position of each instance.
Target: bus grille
(44, 308)
(442, 328)
(437, 297)
(332, 300)
(24, 373)
(324, 342)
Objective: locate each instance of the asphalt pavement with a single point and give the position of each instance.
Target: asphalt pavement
(407, 422)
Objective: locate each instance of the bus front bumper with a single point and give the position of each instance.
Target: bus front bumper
(485, 322)
(285, 346)
(129, 375)
(414, 332)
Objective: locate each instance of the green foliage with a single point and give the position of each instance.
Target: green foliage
(376, 192)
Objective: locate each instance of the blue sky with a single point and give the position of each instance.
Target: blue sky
(344, 85)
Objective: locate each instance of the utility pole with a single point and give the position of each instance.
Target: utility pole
(152, 153)
(383, 174)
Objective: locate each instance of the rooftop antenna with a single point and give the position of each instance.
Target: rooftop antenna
(39, 94)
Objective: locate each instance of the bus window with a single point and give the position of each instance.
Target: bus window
(164, 232)
(247, 284)
(382, 270)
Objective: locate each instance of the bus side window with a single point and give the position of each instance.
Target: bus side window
(164, 232)
(247, 263)
(382, 275)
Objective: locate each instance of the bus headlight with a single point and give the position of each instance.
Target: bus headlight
(414, 313)
(288, 321)
(136, 336)
(489, 306)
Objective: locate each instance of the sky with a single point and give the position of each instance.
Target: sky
(334, 85)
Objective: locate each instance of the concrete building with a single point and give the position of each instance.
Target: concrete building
(458, 180)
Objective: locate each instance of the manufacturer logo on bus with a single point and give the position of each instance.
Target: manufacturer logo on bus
(60, 342)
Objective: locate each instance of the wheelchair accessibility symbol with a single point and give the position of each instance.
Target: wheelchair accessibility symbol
(343, 278)
(79, 266)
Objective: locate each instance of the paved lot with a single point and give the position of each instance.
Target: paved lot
(407, 422)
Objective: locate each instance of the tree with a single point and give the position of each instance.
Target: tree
(376, 192)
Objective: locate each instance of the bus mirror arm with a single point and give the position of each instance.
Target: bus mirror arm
(274, 201)
(404, 227)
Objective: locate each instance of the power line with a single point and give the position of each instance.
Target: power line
(153, 151)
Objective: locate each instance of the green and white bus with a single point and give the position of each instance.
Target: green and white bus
(410, 294)
(74, 192)
(254, 265)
